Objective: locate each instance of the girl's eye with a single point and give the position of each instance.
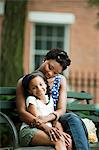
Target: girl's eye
(33, 88)
(40, 84)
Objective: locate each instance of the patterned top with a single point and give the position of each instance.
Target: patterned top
(55, 90)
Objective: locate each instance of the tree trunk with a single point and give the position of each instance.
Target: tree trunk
(11, 55)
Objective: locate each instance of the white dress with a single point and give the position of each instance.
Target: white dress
(43, 109)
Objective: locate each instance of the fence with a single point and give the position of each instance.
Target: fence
(82, 81)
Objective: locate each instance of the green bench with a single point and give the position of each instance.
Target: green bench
(9, 117)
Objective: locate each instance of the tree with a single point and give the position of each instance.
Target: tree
(95, 3)
(12, 42)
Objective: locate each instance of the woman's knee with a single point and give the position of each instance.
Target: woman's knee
(69, 117)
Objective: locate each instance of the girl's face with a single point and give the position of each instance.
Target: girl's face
(51, 68)
(37, 87)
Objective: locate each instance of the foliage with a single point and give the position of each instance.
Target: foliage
(12, 42)
(93, 2)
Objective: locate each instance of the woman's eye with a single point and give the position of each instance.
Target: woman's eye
(50, 67)
(55, 73)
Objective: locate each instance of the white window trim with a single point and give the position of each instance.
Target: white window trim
(51, 17)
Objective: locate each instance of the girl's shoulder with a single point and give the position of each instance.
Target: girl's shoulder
(30, 100)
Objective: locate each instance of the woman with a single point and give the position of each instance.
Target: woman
(40, 104)
(56, 61)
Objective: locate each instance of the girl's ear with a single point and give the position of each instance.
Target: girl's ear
(29, 91)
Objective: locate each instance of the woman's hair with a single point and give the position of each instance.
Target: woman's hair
(60, 56)
(29, 77)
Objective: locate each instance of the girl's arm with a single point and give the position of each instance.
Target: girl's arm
(25, 116)
(32, 107)
(61, 106)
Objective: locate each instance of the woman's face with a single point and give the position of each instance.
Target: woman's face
(37, 87)
(51, 68)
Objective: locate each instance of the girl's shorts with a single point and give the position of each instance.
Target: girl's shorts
(26, 135)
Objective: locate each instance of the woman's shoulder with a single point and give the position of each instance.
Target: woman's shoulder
(62, 79)
(61, 76)
(20, 81)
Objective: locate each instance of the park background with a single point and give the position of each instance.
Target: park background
(30, 28)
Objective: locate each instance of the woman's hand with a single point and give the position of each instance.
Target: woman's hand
(68, 139)
(52, 132)
(43, 119)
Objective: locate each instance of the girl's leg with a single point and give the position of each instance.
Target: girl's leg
(41, 138)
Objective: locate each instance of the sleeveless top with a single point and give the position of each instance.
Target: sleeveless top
(55, 90)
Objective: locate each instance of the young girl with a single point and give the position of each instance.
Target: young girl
(40, 104)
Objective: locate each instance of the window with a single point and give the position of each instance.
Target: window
(50, 30)
(47, 37)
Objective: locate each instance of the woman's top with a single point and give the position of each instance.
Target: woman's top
(43, 109)
(55, 90)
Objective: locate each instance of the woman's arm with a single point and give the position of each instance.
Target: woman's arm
(57, 125)
(21, 106)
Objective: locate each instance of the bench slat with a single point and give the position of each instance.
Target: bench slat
(7, 91)
(81, 107)
(70, 94)
(79, 95)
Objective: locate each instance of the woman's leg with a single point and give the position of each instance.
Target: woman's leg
(41, 138)
(73, 126)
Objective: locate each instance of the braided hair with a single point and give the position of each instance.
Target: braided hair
(60, 56)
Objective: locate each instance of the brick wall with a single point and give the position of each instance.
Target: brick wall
(84, 36)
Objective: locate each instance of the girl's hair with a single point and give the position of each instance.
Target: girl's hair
(29, 77)
(60, 56)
